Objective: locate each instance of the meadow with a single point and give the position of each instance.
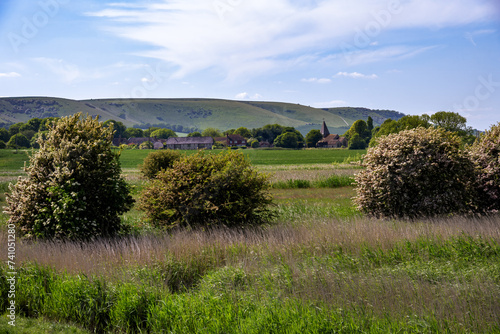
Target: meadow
(320, 267)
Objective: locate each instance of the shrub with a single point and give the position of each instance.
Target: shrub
(73, 187)
(419, 172)
(207, 190)
(158, 161)
(485, 153)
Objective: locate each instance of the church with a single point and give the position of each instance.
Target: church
(330, 140)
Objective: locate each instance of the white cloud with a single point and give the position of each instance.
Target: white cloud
(317, 80)
(250, 38)
(246, 96)
(355, 75)
(330, 104)
(10, 75)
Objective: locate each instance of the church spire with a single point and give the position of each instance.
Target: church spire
(324, 130)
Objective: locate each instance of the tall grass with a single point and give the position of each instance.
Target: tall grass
(376, 276)
(333, 181)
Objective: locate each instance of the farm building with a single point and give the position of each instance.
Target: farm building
(330, 140)
(189, 143)
(232, 140)
(157, 143)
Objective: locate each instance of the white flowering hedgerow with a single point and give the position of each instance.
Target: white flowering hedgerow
(73, 189)
(485, 153)
(416, 173)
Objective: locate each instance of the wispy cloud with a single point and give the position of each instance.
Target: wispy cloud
(250, 38)
(471, 35)
(246, 96)
(330, 104)
(317, 80)
(355, 75)
(10, 75)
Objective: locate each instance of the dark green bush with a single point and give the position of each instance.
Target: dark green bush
(419, 172)
(485, 154)
(158, 161)
(73, 188)
(202, 190)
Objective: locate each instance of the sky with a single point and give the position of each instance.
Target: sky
(412, 56)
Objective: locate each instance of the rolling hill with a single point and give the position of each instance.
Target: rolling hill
(199, 113)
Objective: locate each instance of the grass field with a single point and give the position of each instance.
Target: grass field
(320, 267)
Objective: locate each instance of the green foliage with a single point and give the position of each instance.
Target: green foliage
(133, 133)
(73, 188)
(211, 132)
(194, 134)
(356, 142)
(163, 134)
(147, 145)
(18, 140)
(118, 128)
(268, 132)
(287, 140)
(2, 145)
(405, 123)
(313, 137)
(419, 172)
(158, 161)
(358, 135)
(485, 153)
(4, 135)
(254, 143)
(204, 190)
(242, 131)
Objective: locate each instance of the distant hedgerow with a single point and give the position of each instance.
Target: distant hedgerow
(73, 188)
(202, 190)
(418, 172)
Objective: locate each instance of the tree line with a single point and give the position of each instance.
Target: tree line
(362, 134)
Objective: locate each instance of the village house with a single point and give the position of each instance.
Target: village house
(189, 143)
(330, 140)
(232, 140)
(157, 142)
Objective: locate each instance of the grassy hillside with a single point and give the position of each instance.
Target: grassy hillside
(199, 113)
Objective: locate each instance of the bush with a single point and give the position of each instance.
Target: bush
(158, 161)
(202, 190)
(419, 172)
(485, 153)
(73, 188)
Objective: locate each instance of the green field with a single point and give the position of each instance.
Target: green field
(13, 162)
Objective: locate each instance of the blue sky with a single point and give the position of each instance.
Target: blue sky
(413, 56)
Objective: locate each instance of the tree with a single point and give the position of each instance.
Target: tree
(287, 140)
(206, 190)
(454, 122)
(313, 137)
(194, 134)
(416, 173)
(244, 132)
(163, 134)
(268, 133)
(405, 123)
(118, 128)
(133, 133)
(356, 142)
(18, 140)
(211, 132)
(73, 189)
(4, 135)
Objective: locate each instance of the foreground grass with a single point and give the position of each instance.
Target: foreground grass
(319, 275)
